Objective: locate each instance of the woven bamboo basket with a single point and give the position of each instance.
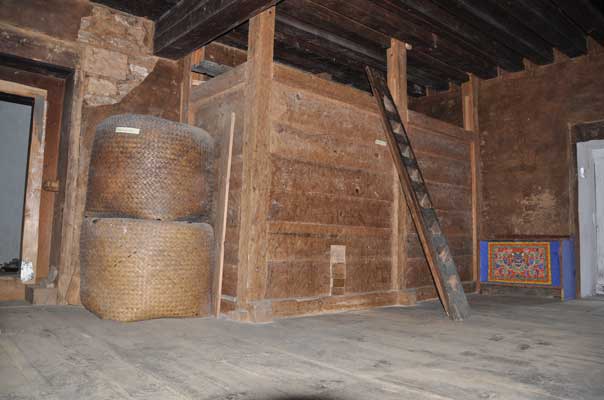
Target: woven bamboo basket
(142, 269)
(149, 168)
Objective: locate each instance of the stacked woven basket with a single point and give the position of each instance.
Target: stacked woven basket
(144, 250)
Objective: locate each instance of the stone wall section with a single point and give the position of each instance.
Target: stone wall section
(117, 54)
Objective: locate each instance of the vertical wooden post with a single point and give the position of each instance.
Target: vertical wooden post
(397, 83)
(469, 96)
(196, 57)
(255, 192)
(185, 88)
(68, 286)
(397, 76)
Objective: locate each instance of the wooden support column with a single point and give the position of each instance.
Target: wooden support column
(397, 83)
(255, 192)
(469, 93)
(69, 280)
(397, 76)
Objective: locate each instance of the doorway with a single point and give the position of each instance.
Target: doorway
(599, 203)
(590, 168)
(15, 131)
(23, 133)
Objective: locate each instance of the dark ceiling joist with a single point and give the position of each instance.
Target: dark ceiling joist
(192, 24)
(152, 9)
(355, 58)
(210, 68)
(546, 20)
(328, 26)
(587, 14)
(315, 14)
(320, 41)
(496, 22)
(410, 29)
(318, 60)
(445, 24)
(299, 58)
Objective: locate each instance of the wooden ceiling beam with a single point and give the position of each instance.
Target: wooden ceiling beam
(410, 29)
(435, 74)
(329, 26)
(497, 23)
(295, 55)
(548, 21)
(191, 24)
(342, 53)
(299, 58)
(318, 15)
(586, 14)
(152, 9)
(445, 24)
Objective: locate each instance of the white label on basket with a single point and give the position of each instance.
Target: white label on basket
(380, 142)
(125, 129)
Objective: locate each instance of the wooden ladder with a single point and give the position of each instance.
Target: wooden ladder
(434, 243)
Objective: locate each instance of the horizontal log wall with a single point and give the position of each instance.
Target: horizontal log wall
(444, 153)
(331, 185)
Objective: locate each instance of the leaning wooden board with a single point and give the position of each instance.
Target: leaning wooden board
(434, 243)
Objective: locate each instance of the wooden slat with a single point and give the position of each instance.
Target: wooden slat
(435, 245)
(221, 220)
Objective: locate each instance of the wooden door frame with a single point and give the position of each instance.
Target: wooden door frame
(35, 168)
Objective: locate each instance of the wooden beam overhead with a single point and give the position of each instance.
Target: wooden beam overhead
(586, 14)
(549, 22)
(427, 71)
(302, 51)
(445, 24)
(191, 24)
(328, 26)
(316, 14)
(152, 9)
(299, 58)
(493, 19)
(410, 29)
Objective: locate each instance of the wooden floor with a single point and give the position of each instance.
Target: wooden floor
(510, 349)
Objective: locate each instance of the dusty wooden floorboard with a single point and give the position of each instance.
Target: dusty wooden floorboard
(511, 348)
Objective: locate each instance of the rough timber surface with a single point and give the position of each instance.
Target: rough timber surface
(429, 228)
(329, 178)
(213, 104)
(512, 349)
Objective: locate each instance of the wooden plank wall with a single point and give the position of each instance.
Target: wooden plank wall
(331, 186)
(211, 106)
(330, 212)
(444, 153)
